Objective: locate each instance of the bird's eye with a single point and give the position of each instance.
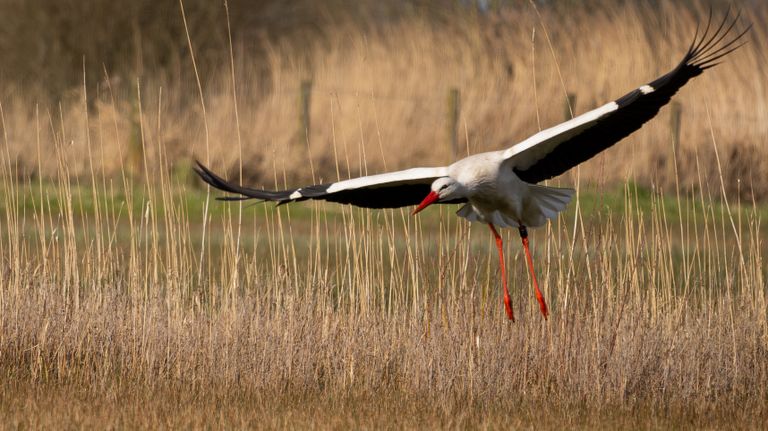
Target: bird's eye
(444, 186)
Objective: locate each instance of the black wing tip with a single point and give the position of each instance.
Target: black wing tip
(210, 178)
(709, 47)
(244, 193)
(233, 198)
(206, 174)
(200, 168)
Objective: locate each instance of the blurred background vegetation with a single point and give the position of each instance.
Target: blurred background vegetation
(45, 42)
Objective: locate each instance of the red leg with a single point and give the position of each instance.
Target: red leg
(539, 296)
(507, 299)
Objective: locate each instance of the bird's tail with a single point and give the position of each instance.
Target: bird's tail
(545, 203)
(541, 203)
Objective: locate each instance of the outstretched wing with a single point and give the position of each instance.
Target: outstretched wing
(553, 151)
(390, 190)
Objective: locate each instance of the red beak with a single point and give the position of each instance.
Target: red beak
(429, 200)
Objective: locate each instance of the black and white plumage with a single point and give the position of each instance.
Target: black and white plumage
(499, 187)
(390, 190)
(544, 155)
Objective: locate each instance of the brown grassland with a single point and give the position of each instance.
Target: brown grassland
(131, 299)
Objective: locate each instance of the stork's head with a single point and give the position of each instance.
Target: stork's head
(443, 189)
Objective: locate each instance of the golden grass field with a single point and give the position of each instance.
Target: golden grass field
(131, 299)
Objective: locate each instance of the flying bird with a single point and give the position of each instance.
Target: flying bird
(499, 188)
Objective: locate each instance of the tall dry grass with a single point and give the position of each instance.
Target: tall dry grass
(360, 318)
(118, 308)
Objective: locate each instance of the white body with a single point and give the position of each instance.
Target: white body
(496, 195)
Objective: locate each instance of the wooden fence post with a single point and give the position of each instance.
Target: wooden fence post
(453, 108)
(569, 107)
(304, 103)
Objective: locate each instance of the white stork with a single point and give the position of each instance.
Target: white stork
(499, 187)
